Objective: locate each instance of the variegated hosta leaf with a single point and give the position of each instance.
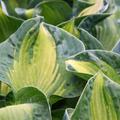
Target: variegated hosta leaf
(31, 104)
(108, 31)
(8, 25)
(89, 41)
(79, 6)
(89, 62)
(99, 100)
(58, 114)
(89, 22)
(93, 9)
(35, 55)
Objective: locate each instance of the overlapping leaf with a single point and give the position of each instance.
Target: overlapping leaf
(30, 104)
(8, 25)
(99, 100)
(35, 56)
(89, 62)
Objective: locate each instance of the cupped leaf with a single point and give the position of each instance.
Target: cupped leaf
(30, 95)
(30, 104)
(35, 56)
(8, 25)
(88, 63)
(98, 100)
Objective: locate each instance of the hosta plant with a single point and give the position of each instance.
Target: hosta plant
(59, 60)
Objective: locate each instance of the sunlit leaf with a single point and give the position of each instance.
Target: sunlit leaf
(88, 63)
(35, 57)
(93, 9)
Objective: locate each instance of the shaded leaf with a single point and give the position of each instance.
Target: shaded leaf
(71, 28)
(54, 11)
(58, 114)
(8, 25)
(116, 48)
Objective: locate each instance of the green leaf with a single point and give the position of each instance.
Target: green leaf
(71, 28)
(57, 114)
(35, 56)
(4, 89)
(30, 104)
(89, 41)
(54, 11)
(99, 100)
(89, 22)
(108, 30)
(79, 6)
(8, 25)
(11, 6)
(87, 63)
